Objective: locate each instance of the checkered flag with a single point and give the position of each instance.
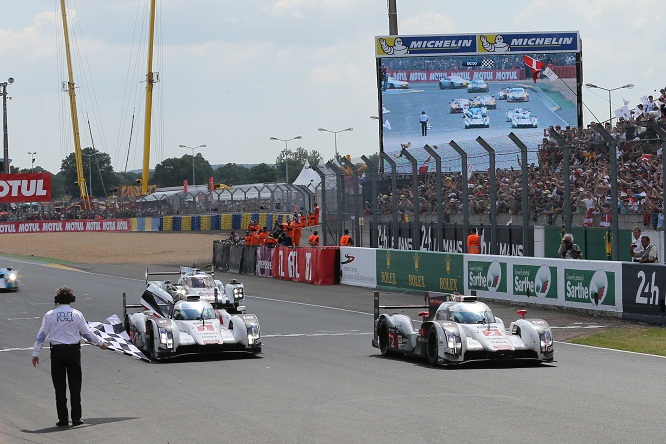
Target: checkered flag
(116, 338)
(487, 63)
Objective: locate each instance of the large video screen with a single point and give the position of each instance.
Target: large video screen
(435, 89)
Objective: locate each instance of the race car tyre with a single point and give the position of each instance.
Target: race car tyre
(432, 346)
(152, 353)
(384, 340)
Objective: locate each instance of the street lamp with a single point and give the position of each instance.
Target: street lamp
(335, 134)
(90, 156)
(32, 163)
(610, 111)
(192, 148)
(286, 162)
(4, 122)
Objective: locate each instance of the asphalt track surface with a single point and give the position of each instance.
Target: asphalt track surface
(319, 380)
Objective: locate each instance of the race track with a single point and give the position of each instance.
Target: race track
(318, 381)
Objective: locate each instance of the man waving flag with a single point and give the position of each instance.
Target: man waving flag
(538, 67)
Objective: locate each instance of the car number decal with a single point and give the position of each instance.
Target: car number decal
(207, 327)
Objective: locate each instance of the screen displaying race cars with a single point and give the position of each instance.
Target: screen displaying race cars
(434, 89)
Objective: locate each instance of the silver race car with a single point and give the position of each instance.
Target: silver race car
(195, 282)
(163, 326)
(458, 329)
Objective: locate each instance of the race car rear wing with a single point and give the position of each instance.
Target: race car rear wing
(432, 301)
(130, 306)
(183, 270)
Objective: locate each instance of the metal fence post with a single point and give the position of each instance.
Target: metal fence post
(465, 189)
(416, 231)
(440, 200)
(615, 227)
(394, 195)
(357, 226)
(323, 202)
(493, 194)
(566, 171)
(375, 210)
(339, 180)
(523, 172)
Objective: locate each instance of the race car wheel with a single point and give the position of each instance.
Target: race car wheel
(384, 340)
(152, 353)
(432, 346)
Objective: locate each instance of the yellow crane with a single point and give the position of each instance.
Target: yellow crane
(72, 108)
(151, 78)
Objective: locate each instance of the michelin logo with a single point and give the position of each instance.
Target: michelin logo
(499, 46)
(398, 47)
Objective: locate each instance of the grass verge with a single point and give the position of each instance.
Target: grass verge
(48, 260)
(640, 339)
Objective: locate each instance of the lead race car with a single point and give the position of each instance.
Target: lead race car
(458, 329)
(164, 326)
(195, 282)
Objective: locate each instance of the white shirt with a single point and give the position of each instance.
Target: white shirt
(64, 325)
(637, 246)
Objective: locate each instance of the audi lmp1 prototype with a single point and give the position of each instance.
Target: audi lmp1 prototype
(166, 326)
(478, 86)
(9, 279)
(476, 118)
(458, 105)
(458, 329)
(452, 82)
(195, 282)
(517, 95)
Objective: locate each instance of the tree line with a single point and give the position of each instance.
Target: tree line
(102, 180)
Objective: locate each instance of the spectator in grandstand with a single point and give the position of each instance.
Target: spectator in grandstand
(569, 250)
(648, 252)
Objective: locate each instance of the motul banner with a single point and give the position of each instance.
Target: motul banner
(426, 76)
(56, 226)
(29, 187)
(314, 265)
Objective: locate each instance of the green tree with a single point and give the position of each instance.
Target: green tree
(231, 174)
(295, 160)
(172, 172)
(261, 173)
(97, 172)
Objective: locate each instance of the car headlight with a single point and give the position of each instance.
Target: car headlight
(238, 293)
(453, 342)
(166, 337)
(253, 334)
(546, 340)
(11, 277)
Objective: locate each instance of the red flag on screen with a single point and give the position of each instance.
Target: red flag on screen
(535, 65)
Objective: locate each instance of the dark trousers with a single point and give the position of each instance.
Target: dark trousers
(424, 128)
(66, 367)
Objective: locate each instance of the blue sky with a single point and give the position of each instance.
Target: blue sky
(235, 73)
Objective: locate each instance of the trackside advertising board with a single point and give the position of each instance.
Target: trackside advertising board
(420, 271)
(643, 285)
(55, 226)
(570, 283)
(32, 187)
(358, 266)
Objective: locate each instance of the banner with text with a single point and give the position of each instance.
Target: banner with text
(422, 271)
(358, 266)
(28, 187)
(55, 226)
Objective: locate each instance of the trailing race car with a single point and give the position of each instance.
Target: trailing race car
(458, 329)
(195, 282)
(452, 82)
(476, 117)
(501, 95)
(393, 83)
(487, 101)
(521, 118)
(458, 105)
(517, 95)
(166, 327)
(9, 279)
(478, 86)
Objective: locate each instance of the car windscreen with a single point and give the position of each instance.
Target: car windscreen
(193, 313)
(472, 317)
(200, 282)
